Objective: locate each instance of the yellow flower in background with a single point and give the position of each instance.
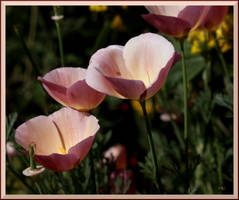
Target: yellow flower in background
(200, 38)
(124, 7)
(98, 8)
(206, 39)
(224, 33)
(149, 106)
(117, 23)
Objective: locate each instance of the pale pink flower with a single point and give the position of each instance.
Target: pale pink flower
(61, 139)
(134, 71)
(177, 21)
(67, 86)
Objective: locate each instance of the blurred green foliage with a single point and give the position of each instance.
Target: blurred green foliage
(84, 32)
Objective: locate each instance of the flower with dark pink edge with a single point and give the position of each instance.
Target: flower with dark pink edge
(134, 71)
(177, 21)
(67, 86)
(61, 140)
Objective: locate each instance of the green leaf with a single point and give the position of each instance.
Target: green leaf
(102, 37)
(147, 167)
(194, 66)
(205, 105)
(224, 101)
(10, 121)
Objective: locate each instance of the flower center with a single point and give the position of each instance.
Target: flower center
(62, 150)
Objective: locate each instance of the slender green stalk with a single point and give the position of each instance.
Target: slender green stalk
(21, 38)
(206, 74)
(38, 188)
(150, 140)
(93, 173)
(58, 28)
(31, 155)
(33, 25)
(222, 60)
(185, 97)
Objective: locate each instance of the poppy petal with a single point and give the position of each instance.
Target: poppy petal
(145, 55)
(172, 11)
(74, 126)
(82, 97)
(161, 77)
(173, 26)
(131, 89)
(109, 62)
(58, 162)
(81, 149)
(41, 132)
(56, 91)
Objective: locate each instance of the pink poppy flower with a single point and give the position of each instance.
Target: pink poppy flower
(61, 139)
(67, 86)
(134, 71)
(177, 21)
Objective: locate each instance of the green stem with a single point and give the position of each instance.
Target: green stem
(206, 74)
(185, 97)
(150, 140)
(38, 188)
(31, 155)
(222, 60)
(20, 36)
(58, 28)
(33, 25)
(93, 173)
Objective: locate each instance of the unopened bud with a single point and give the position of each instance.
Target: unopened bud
(57, 17)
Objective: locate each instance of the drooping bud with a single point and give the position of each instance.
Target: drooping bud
(32, 172)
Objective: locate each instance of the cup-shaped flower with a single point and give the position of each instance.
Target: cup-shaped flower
(61, 139)
(177, 21)
(134, 71)
(67, 86)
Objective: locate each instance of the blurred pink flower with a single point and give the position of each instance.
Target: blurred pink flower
(61, 139)
(167, 118)
(134, 71)
(10, 149)
(67, 86)
(177, 21)
(117, 153)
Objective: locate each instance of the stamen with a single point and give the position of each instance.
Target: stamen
(62, 150)
(63, 147)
